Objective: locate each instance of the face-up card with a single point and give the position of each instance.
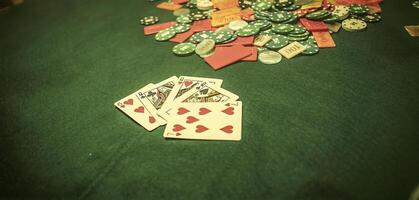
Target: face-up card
(183, 85)
(135, 109)
(205, 121)
(154, 97)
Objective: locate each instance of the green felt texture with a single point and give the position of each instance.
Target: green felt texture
(342, 124)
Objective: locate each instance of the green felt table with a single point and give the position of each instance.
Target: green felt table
(342, 124)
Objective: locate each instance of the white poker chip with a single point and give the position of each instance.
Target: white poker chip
(342, 12)
(237, 25)
(270, 57)
(354, 25)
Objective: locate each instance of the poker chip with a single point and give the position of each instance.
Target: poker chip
(198, 37)
(297, 38)
(291, 7)
(280, 16)
(331, 19)
(204, 5)
(310, 48)
(196, 16)
(293, 19)
(302, 2)
(301, 12)
(371, 18)
(237, 25)
(269, 57)
(415, 4)
(181, 11)
(184, 19)
(180, 28)
(342, 12)
(277, 42)
(223, 29)
(165, 34)
(282, 28)
(318, 15)
(223, 36)
(190, 5)
(245, 3)
(184, 49)
(311, 40)
(283, 3)
(298, 29)
(233, 37)
(150, 20)
(354, 25)
(262, 24)
(358, 9)
(261, 5)
(205, 47)
(248, 30)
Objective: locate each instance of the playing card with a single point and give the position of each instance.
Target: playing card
(135, 109)
(154, 97)
(205, 121)
(183, 85)
(203, 93)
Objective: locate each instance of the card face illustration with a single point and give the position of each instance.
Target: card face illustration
(135, 109)
(205, 121)
(155, 96)
(183, 85)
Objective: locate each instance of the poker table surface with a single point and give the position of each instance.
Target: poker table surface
(342, 124)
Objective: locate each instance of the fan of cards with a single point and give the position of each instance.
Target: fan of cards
(190, 107)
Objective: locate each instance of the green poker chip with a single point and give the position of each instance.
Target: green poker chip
(223, 36)
(184, 19)
(371, 18)
(282, 28)
(301, 38)
(310, 48)
(261, 24)
(358, 9)
(298, 29)
(184, 49)
(165, 34)
(196, 16)
(150, 20)
(318, 15)
(280, 16)
(293, 19)
(283, 3)
(269, 32)
(291, 7)
(261, 5)
(331, 19)
(311, 40)
(180, 28)
(304, 34)
(248, 30)
(277, 42)
(198, 37)
(415, 4)
(233, 37)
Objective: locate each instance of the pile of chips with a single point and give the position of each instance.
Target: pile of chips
(274, 25)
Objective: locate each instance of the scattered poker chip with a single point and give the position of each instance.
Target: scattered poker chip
(318, 15)
(310, 48)
(280, 16)
(298, 29)
(245, 3)
(293, 19)
(196, 16)
(354, 25)
(223, 36)
(190, 5)
(283, 3)
(150, 20)
(371, 18)
(311, 40)
(233, 37)
(269, 57)
(415, 4)
(165, 34)
(184, 49)
(205, 47)
(204, 5)
(291, 7)
(180, 28)
(282, 28)
(358, 9)
(342, 12)
(223, 29)
(261, 5)
(300, 13)
(331, 19)
(237, 25)
(248, 30)
(297, 38)
(198, 37)
(184, 19)
(277, 42)
(262, 24)
(181, 11)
